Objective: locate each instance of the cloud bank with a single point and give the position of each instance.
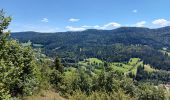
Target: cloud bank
(107, 26)
(74, 20)
(44, 20)
(140, 24)
(161, 22)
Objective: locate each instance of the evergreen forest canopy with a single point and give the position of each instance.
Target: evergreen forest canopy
(127, 63)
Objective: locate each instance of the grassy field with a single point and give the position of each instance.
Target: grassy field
(29, 43)
(148, 68)
(167, 96)
(125, 68)
(165, 52)
(26, 43)
(96, 65)
(90, 61)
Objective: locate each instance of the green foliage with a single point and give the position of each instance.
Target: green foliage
(18, 66)
(148, 92)
(104, 82)
(128, 69)
(78, 84)
(4, 93)
(55, 77)
(57, 65)
(148, 68)
(46, 72)
(145, 73)
(19, 73)
(128, 85)
(91, 62)
(4, 21)
(120, 95)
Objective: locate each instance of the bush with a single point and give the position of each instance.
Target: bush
(148, 92)
(4, 93)
(18, 70)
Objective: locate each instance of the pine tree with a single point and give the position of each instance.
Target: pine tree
(58, 66)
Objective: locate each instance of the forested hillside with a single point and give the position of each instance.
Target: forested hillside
(110, 45)
(156, 38)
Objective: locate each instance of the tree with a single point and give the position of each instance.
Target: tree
(4, 22)
(19, 73)
(58, 66)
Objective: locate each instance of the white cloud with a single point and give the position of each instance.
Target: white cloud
(74, 20)
(95, 27)
(161, 22)
(135, 11)
(140, 24)
(110, 25)
(86, 26)
(71, 28)
(44, 20)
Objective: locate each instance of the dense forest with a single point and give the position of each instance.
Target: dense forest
(127, 63)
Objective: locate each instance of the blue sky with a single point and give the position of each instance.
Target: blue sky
(77, 15)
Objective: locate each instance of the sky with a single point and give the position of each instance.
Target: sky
(79, 15)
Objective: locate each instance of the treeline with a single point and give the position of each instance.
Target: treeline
(120, 53)
(156, 77)
(78, 84)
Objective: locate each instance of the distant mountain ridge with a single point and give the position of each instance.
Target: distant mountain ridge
(167, 28)
(156, 38)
